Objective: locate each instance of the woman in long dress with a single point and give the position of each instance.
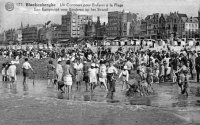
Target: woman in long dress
(67, 76)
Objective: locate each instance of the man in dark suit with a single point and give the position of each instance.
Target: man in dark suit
(197, 62)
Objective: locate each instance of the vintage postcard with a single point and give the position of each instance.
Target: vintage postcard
(99, 62)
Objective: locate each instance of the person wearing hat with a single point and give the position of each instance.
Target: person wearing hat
(197, 65)
(92, 76)
(125, 76)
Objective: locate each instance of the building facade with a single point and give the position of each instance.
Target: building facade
(161, 27)
(152, 22)
(166, 26)
(18, 35)
(114, 26)
(100, 29)
(143, 28)
(30, 34)
(191, 27)
(3, 38)
(66, 25)
(73, 25)
(120, 24)
(10, 36)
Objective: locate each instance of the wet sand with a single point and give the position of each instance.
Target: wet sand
(22, 110)
(40, 105)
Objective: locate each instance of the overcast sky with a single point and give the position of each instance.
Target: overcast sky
(27, 15)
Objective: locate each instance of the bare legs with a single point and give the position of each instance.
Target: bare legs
(50, 82)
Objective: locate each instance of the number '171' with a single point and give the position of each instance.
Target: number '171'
(19, 4)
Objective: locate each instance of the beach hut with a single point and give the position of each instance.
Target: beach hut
(149, 43)
(116, 42)
(107, 43)
(132, 42)
(122, 43)
(144, 42)
(138, 42)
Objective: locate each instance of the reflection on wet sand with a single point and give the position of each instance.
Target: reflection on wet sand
(168, 96)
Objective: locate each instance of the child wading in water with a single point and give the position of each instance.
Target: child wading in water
(93, 76)
(3, 72)
(25, 67)
(125, 76)
(12, 73)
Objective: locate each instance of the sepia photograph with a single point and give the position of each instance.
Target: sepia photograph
(99, 62)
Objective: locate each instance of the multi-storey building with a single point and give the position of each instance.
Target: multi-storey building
(143, 28)
(174, 24)
(66, 25)
(52, 33)
(191, 27)
(114, 26)
(120, 23)
(149, 22)
(31, 33)
(18, 35)
(72, 24)
(129, 22)
(161, 27)
(78, 24)
(91, 29)
(3, 37)
(57, 33)
(100, 29)
(82, 30)
(10, 36)
(152, 25)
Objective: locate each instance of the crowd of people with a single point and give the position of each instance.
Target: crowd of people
(104, 67)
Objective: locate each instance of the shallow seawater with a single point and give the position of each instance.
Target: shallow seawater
(167, 96)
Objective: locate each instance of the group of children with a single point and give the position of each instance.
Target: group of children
(9, 72)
